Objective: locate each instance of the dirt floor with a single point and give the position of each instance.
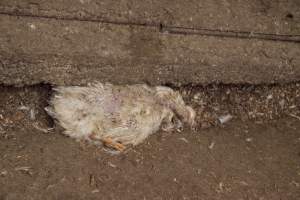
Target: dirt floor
(255, 155)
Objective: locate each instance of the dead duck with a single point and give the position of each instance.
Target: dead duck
(116, 115)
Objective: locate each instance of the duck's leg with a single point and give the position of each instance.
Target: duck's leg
(108, 142)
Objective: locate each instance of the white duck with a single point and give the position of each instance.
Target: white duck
(117, 115)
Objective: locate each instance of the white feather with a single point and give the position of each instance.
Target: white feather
(126, 114)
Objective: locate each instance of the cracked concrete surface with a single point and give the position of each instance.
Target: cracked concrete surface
(265, 16)
(61, 43)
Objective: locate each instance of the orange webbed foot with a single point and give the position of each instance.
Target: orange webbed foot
(108, 142)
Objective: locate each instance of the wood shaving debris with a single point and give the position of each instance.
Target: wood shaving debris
(32, 114)
(23, 108)
(295, 183)
(92, 180)
(24, 169)
(111, 165)
(184, 140)
(270, 96)
(244, 183)
(295, 116)
(3, 173)
(211, 146)
(95, 191)
(50, 186)
(225, 118)
(220, 187)
(2, 130)
(44, 130)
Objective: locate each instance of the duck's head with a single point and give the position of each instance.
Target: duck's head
(173, 99)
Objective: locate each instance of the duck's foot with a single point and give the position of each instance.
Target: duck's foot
(110, 143)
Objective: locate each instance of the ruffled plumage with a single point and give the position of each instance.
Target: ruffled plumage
(117, 115)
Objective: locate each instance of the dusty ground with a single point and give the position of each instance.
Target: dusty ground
(246, 158)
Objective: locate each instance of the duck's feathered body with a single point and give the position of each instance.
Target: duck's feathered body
(118, 115)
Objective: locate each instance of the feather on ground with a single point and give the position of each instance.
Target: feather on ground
(118, 115)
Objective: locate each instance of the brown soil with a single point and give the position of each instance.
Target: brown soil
(245, 158)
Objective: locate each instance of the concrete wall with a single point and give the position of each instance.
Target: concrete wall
(75, 42)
